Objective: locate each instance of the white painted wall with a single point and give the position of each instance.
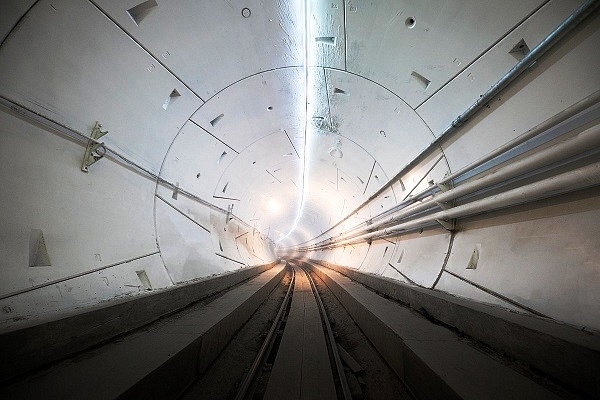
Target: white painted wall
(77, 62)
(70, 64)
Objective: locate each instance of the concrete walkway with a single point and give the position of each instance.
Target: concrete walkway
(158, 361)
(433, 361)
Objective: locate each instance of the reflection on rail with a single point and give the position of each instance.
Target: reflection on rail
(299, 353)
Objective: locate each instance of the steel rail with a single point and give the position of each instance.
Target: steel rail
(333, 346)
(250, 377)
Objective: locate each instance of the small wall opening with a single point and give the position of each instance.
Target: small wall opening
(216, 120)
(420, 79)
(144, 279)
(141, 11)
(474, 259)
(328, 40)
(172, 97)
(38, 253)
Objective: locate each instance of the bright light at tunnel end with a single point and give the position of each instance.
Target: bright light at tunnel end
(273, 206)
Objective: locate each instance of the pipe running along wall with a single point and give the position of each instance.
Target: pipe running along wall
(211, 143)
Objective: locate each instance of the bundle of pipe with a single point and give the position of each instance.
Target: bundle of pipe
(579, 15)
(576, 179)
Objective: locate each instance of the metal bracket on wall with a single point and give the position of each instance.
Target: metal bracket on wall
(446, 205)
(95, 150)
(447, 224)
(444, 187)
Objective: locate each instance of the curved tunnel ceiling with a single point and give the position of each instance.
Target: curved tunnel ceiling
(289, 115)
(296, 118)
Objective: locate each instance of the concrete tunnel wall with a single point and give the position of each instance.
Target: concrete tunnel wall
(239, 130)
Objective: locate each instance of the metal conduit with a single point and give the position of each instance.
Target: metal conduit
(580, 14)
(586, 140)
(530, 134)
(576, 179)
(533, 132)
(558, 33)
(83, 139)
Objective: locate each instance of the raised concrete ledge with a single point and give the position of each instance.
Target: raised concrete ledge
(34, 346)
(432, 360)
(157, 362)
(568, 355)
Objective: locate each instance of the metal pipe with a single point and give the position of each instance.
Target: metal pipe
(586, 140)
(558, 33)
(82, 139)
(576, 179)
(77, 275)
(405, 202)
(542, 127)
(533, 132)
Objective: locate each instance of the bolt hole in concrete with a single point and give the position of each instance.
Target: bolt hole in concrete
(246, 12)
(270, 108)
(410, 22)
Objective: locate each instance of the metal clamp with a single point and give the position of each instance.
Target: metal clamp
(446, 205)
(95, 150)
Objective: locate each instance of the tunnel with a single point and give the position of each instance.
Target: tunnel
(431, 167)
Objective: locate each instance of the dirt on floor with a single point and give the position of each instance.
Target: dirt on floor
(378, 380)
(221, 380)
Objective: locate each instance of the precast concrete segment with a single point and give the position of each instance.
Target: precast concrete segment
(432, 360)
(159, 361)
(302, 369)
(33, 346)
(569, 355)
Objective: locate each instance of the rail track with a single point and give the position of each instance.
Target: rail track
(299, 358)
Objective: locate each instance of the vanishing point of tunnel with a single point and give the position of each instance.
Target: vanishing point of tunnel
(304, 199)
